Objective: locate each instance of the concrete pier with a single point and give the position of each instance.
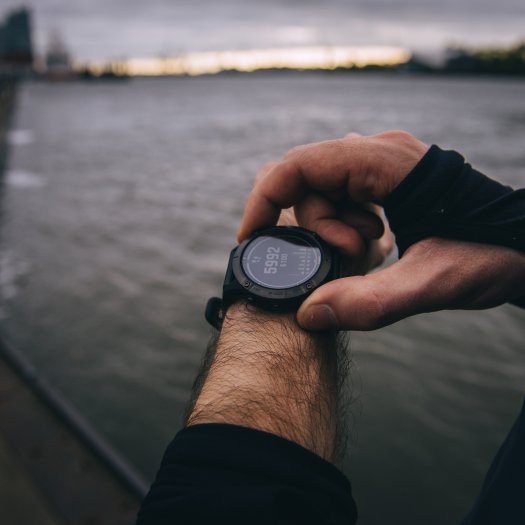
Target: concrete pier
(54, 468)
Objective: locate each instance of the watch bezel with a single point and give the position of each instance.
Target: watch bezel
(283, 297)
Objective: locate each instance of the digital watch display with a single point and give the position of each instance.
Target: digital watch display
(280, 262)
(275, 269)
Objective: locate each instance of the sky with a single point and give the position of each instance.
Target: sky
(115, 29)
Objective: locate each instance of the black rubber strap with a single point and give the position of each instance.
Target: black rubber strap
(215, 312)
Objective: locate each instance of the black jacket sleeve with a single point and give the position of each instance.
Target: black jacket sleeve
(444, 196)
(218, 473)
(501, 497)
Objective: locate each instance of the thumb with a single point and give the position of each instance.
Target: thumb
(367, 302)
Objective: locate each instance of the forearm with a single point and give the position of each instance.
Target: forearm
(268, 374)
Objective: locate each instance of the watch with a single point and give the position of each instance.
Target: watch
(275, 269)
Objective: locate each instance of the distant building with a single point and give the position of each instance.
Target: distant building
(57, 60)
(16, 45)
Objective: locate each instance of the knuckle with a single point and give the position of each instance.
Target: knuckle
(340, 146)
(296, 152)
(394, 133)
(398, 135)
(335, 145)
(265, 169)
(269, 165)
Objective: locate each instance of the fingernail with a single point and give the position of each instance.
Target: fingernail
(320, 317)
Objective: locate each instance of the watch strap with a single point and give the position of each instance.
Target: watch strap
(231, 290)
(215, 312)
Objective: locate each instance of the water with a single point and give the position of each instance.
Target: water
(118, 211)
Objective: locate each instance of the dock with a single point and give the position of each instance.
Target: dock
(54, 468)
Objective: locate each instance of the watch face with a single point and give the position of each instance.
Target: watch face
(281, 262)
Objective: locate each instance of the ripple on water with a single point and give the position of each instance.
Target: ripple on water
(20, 137)
(18, 178)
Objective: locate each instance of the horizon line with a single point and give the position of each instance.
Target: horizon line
(210, 62)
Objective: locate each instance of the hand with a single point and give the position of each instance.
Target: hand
(321, 181)
(372, 239)
(327, 180)
(433, 274)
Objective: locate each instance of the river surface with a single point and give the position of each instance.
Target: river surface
(118, 212)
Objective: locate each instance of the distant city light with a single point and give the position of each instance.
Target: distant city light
(252, 60)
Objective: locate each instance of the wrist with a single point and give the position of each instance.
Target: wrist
(269, 374)
(246, 321)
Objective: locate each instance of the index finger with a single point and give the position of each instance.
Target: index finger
(322, 167)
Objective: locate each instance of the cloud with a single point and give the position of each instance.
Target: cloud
(118, 28)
